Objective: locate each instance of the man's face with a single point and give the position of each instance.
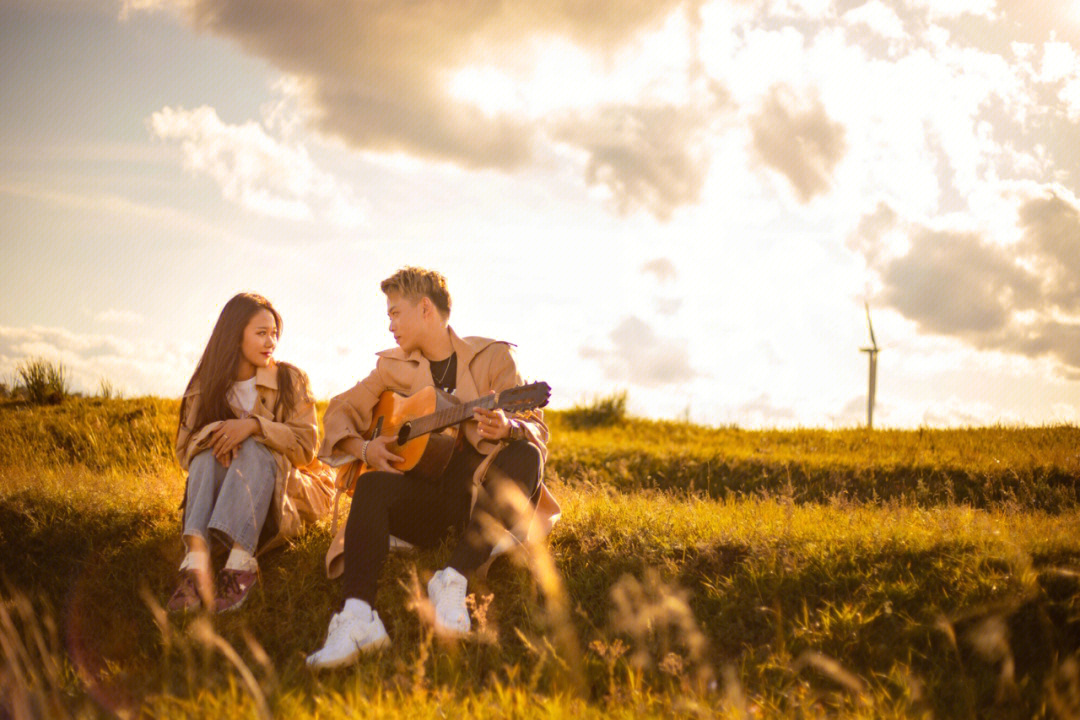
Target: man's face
(406, 320)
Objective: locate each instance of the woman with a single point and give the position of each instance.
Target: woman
(247, 437)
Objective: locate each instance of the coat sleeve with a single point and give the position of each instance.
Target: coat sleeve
(190, 441)
(296, 435)
(349, 414)
(183, 434)
(504, 375)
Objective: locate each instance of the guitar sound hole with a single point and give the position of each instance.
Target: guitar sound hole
(403, 433)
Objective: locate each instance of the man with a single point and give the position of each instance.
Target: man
(493, 481)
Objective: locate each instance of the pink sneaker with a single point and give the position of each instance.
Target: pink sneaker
(186, 597)
(233, 587)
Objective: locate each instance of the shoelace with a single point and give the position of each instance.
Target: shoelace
(454, 591)
(186, 584)
(232, 583)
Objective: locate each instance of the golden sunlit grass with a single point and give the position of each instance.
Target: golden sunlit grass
(776, 598)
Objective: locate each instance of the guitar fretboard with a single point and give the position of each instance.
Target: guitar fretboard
(450, 416)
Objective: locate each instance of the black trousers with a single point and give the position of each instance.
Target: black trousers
(422, 512)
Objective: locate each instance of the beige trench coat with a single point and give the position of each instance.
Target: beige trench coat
(483, 365)
(303, 486)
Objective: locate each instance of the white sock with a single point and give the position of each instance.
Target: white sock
(357, 607)
(241, 559)
(196, 560)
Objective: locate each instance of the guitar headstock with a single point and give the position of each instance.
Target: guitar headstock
(524, 397)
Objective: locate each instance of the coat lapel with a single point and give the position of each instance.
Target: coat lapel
(265, 391)
(466, 386)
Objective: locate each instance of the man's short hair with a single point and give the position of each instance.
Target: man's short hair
(414, 283)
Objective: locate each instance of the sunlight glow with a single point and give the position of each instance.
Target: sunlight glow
(551, 75)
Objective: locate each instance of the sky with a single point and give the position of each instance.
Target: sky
(689, 201)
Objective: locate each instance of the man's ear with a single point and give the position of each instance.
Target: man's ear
(426, 307)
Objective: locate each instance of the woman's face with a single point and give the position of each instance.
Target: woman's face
(257, 345)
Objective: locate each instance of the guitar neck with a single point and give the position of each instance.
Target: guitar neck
(450, 416)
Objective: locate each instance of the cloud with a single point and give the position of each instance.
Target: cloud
(650, 156)
(638, 355)
(131, 7)
(662, 268)
(796, 137)
(1021, 298)
(385, 77)
(762, 411)
(377, 72)
(134, 367)
(256, 170)
(667, 306)
(879, 18)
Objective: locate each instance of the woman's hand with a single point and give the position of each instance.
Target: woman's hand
(226, 438)
(491, 424)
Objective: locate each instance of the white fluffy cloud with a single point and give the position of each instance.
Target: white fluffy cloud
(260, 172)
(639, 356)
(133, 368)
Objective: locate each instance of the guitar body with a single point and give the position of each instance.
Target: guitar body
(424, 425)
(426, 454)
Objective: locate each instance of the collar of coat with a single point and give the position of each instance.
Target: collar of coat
(466, 348)
(265, 377)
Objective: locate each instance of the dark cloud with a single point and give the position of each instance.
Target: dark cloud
(956, 284)
(648, 156)
(1023, 298)
(376, 75)
(640, 356)
(1052, 234)
(799, 139)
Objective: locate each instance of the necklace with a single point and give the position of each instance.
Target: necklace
(446, 369)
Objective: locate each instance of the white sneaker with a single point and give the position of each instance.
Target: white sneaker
(348, 636)
(446, 589)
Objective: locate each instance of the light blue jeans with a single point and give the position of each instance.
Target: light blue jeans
(231, 501)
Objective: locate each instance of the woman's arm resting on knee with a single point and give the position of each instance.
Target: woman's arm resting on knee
(296, 436)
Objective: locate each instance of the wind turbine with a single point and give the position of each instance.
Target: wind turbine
(872, 352)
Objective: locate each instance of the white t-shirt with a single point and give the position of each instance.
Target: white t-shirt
(241, 396)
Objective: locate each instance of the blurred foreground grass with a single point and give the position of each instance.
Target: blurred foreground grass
(696, 572)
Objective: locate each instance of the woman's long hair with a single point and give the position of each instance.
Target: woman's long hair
(220, 361)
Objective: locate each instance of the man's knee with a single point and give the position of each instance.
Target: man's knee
(375, 484)
(520, 459)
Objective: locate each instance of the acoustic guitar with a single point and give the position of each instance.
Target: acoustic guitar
(424, 424)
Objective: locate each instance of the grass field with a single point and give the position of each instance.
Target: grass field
(696, 573)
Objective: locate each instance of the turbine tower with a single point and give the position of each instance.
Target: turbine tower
(872, 352)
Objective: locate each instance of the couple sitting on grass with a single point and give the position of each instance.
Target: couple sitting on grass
(248, 437)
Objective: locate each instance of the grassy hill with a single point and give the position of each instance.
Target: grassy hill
(696, 572)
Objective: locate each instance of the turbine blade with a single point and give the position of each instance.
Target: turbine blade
(870, 324)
